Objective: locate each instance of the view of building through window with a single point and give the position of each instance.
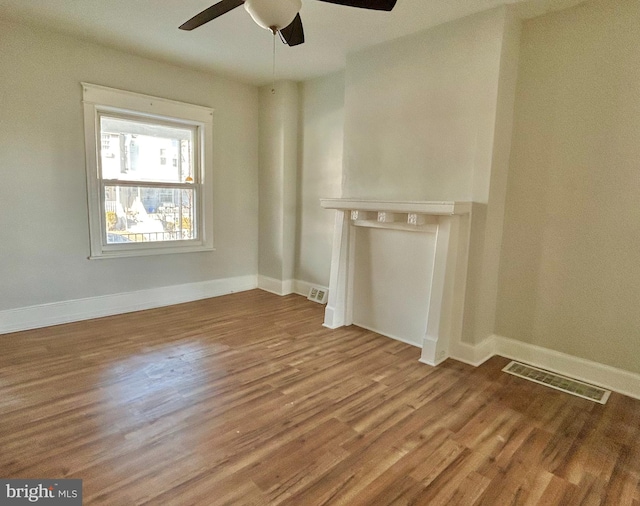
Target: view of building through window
(148, 173)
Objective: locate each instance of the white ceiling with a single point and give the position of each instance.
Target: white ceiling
(233, 45)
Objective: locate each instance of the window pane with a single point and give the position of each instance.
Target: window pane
(139, 214)
(138, 151)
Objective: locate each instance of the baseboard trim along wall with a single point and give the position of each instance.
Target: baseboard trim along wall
(303, 288)
(474, 355)
(56, 313)
(618, 380)
(287, 286)
(397, 338)
(277, 286)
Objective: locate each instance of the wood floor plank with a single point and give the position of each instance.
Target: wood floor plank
(247, 400)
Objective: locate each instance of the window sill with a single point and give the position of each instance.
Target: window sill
(138, 252)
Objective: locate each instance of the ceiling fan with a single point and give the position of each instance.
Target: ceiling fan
(281, 16)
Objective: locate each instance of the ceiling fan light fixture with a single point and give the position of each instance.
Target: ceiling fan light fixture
(273, 14)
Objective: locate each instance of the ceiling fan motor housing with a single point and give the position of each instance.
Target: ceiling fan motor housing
(273, 14)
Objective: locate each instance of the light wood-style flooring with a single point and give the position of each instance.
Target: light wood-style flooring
(247, 400)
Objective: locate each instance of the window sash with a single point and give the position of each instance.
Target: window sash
(197, 191)
(196, 133)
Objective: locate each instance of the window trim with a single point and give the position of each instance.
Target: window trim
(100, 99)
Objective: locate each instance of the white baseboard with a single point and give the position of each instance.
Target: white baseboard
(286, 287)
(474, 355)
(612, 378)
(301, 287)
(275, 285)
(55, 313)
(331, 320)
(304, 287)
(386, 334)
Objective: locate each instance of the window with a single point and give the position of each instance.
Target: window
(139, 204)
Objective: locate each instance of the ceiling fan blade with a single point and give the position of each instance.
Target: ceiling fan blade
(378, 5)
(211, 13)
(294, 33)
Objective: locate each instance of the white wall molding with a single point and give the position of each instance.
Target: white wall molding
(618, 380)
(396, 338)
(612, 378)
(277, 286)
(56, 313)
(303, 287)
(67, 311)
(474, 355)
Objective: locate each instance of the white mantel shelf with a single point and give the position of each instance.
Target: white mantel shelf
(437, 208)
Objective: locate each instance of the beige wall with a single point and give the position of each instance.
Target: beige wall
(570, 276)
(420, 112)
(278, 153)
(320, 174)
(43, 204)
(487, 220)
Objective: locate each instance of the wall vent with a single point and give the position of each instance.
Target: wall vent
(318, 294)
(562, 383)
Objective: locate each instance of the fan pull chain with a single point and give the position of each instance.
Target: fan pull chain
(273, 64)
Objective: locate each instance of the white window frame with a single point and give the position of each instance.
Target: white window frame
(100, 99)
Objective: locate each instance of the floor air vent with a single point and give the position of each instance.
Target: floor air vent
(562, 383)
(317, 294)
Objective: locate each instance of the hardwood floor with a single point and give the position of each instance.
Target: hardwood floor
(247, 400)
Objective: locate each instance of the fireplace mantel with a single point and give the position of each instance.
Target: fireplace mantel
(398, 206)
(448, 220)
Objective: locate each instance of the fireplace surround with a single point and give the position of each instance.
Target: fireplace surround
(449, 224)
